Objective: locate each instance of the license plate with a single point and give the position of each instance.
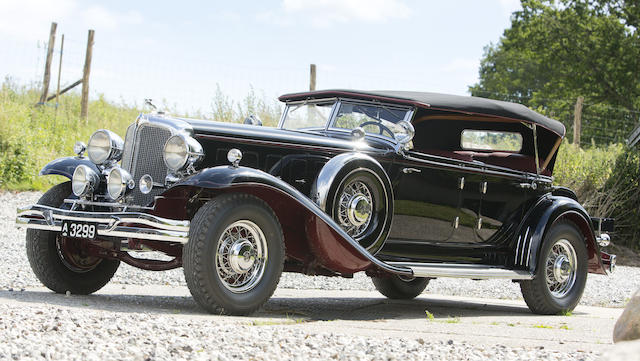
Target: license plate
(73, 229)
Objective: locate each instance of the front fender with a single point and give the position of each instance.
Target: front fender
(311, 235)
(546, 212)
(66, 166)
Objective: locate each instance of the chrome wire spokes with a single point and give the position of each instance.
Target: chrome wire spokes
(241, 256)
(560, 268)
(355, 208)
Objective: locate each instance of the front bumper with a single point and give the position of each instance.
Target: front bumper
(129, 225)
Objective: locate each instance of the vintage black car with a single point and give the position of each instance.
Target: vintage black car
(405, 186)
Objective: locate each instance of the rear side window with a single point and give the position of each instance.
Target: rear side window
(491, 140)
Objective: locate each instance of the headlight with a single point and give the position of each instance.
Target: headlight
(104, 145)
(181, 151)
(119, 181)
(84, 181)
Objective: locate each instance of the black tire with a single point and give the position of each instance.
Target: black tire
(537, 293)
(373, 235)
(48, 262)
(397, 288)
(200, 255)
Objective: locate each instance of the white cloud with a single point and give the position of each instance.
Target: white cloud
(30, 19)
(509, 6)
(324, 13)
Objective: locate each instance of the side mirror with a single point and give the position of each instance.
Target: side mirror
(406, 137)
(253, 120)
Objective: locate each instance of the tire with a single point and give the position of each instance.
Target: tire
(211, 258)
(55, 265)
(397, 288)
(366, 185)
(558, 297)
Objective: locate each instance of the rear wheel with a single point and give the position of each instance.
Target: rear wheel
(60, 263)
(400, 288)
(561, 274)
(235, 254)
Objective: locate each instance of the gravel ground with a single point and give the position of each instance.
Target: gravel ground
(36, 332)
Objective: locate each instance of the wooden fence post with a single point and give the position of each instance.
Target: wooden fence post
(84, 102)
(577, 121)
(312, 77)
(47, 64)
(59, 73)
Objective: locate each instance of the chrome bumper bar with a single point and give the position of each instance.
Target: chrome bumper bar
(109, 224)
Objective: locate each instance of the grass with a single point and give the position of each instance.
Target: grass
(430, 316)
(31, 136)
(542, 326)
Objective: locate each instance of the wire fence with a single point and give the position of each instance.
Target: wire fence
(188, 83)
(601, 124)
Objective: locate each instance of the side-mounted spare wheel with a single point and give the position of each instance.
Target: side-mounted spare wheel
(60, 263)
(355, 191)
(235, 254)
(561, 274)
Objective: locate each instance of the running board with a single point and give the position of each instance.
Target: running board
(463, 271)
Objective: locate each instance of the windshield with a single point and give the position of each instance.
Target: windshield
(373, 119)
(307, 116)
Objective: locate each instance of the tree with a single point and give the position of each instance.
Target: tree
(556, 51)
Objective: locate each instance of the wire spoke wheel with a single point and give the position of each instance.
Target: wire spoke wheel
(241, 256)
(355, 208)
(560, 268)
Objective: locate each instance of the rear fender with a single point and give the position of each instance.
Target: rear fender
(311, 236)
(66, 166)
(547, 211)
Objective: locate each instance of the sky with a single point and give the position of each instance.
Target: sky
(179, 53)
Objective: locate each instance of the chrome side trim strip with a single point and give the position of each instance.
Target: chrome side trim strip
(463, 271)
(114, 224)
(524, 245)
(515, 261)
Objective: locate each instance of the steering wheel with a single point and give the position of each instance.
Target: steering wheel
(380, 126)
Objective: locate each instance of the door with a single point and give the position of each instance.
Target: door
(427, 198)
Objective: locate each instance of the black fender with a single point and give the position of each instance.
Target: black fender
(548, 210)
(66, 166)
(323, 191)
(311, 235)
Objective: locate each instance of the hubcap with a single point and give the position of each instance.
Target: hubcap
(355, 208)
(241, 256)
(561, 268)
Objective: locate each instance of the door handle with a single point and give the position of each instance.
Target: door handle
(410, 170)
(532, 185)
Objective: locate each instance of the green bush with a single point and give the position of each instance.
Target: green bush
(606, 182)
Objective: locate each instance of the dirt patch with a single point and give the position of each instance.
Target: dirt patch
(625, 256)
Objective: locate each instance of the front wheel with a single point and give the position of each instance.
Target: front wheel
(60, 263)
(561, 274)
(399, 288)
(235, 254)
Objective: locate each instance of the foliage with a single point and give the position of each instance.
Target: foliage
(555, 51)
(31, 136)
(226, 110)
(606, 180)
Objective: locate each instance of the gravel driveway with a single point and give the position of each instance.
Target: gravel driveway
(36, 331)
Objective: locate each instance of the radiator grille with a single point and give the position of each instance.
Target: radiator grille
(143, 155)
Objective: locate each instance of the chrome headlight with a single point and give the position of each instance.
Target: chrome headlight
(119, 181)
(84, 181)
(104, 146)
(181, 151)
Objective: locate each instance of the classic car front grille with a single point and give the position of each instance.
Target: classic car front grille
(143, 155)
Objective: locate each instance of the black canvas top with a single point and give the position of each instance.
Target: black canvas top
(455, 103)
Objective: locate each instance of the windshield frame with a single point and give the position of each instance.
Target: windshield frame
(293, 105)
(410, 110)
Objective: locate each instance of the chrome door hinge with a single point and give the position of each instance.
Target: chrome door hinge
(461, 183)
(456, 222)
(483, 187)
